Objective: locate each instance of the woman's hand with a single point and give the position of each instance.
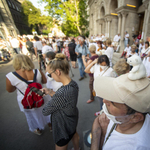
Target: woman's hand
(47, 91)
(95, 61)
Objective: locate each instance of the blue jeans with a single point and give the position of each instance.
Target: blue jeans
(81, 67)
(101, 102)
(125, 43)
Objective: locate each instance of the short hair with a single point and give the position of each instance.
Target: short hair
(60, 62)
(22, 62)
(132, 46)
(131, 111)
(141, 40)
(73, 40)
(50, 55)
(103, 58)
(108, 41)
(147, 43)
(92, 48)
(27, 38)
(99, 42)
(81, 39)
(36, 38)
(121, 67)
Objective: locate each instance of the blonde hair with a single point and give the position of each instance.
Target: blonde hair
(133, 46)
(92, 48)
(60, 62)
(22, 62)
(121, 67)
(108, 42)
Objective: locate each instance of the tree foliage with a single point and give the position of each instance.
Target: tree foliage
(73, 13)
(33, 16)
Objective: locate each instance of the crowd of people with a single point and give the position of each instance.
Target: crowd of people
(124, 104)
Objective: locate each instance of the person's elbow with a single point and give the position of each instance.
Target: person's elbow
(87, 71)
(44, 80)
(10, 90)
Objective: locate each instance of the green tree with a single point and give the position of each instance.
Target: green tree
(34, 18)
(73, 13)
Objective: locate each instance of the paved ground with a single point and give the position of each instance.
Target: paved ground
(14, 132)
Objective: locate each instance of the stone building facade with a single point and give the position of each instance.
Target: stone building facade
(11, 18)
(111, 17)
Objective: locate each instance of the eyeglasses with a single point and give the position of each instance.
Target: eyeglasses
(49, 75)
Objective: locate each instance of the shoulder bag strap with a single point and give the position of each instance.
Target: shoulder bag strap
(105, 71)
(110, 133)
(147, 50)
(22, 79)
(19, 77)
(35, 74)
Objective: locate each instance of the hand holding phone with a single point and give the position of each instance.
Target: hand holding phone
(38, 91)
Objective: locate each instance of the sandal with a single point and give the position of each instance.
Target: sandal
(97, 113)
(37, 131)
(50, 127)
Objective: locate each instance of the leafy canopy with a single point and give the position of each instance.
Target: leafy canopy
(73, 14)
(33, 16)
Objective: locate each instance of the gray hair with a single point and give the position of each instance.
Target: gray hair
(81, 39)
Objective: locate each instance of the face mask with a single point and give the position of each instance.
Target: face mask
(109, 116)
(103, 67)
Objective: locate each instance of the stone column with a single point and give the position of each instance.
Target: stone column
(123, 31)
(119, 23)
(146, 19)
(108, 27)
(123, 24)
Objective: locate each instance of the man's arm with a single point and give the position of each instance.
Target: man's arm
(76, 50)
(35, 50)
(96, 135)
(99, 131)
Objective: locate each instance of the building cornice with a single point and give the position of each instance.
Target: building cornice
(126, 8)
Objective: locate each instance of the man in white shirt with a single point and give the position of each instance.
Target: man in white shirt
(125, 123)
(38, 51)
(109, 51)
(126, 39)
(15, 44)
(45, 48)
(117, 37)
(116, 41)
(126, 51)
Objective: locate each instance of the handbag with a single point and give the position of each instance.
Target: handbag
(79, 55)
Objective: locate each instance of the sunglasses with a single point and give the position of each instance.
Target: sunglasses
(50, 74)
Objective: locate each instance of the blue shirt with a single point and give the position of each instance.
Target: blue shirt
(82, 49)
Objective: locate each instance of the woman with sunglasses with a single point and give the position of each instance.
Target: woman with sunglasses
(62, 105)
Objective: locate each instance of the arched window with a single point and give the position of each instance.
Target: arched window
(13, 6)
(9, 3)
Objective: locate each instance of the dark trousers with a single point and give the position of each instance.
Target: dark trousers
(91, 87)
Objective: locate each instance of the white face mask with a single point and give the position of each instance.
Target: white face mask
(111, 117)
(103, 67)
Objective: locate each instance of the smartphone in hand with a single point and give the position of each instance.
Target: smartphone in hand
(39, 92)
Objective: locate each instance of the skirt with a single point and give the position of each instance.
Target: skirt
(35, 118)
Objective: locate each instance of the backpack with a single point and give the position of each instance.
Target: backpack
(31, 99)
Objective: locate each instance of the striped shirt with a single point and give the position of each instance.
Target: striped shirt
(64, 111)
